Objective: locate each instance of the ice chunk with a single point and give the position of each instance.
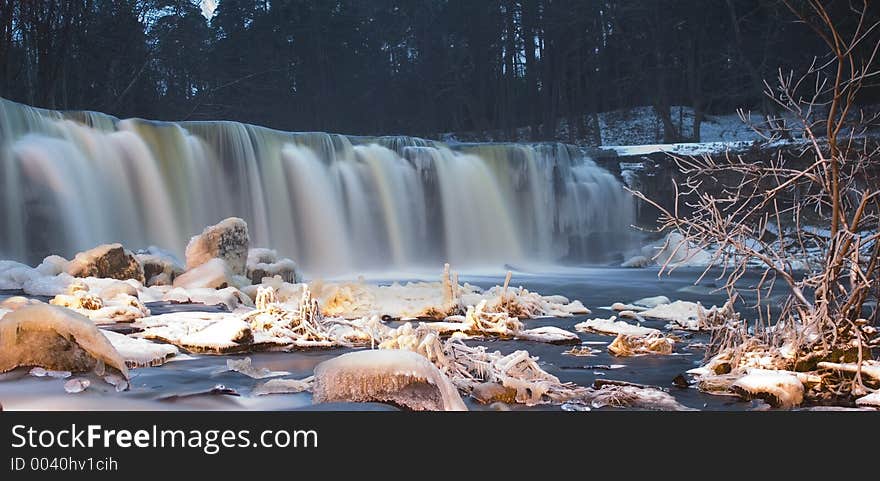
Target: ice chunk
(54, 338)
(624, 345)
(77, 385)
(630, 396)
(140, 352)
(400, 377)
(650, 302)
(779, 388)
(871, 400)
(284, 386)
(52, 266)
(614, 328)
(246, 367)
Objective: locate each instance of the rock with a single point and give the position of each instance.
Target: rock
(158, 271)
(613, 327)
(106, 261)
(227, 240)
(779, 388)
(399, 377)
(265, 263)
(56, 339)
(490, 392)
(213, 274)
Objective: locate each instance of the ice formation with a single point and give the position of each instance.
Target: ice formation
(57, 339)
(262, 263)
(779, 388)
(631, 396)
(140, 352)
(613, 327)
(393, 376)
(871, 400)
(691, 316)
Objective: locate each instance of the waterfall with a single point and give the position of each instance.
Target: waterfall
(334, 203)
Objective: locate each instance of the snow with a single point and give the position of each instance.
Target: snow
(871, 400)
(779, 388)
(400, 377)
(140, 352)
(612, 327)
(54, 338)
(222, 336)
(548, 334)
(213, 273)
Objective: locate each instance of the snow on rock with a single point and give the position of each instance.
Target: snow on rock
(691, 316)
(676, 250)
(115, 304)
(284, 386)
(227, 240)
(49, 286)
(52, 266)
(650, 302)
(57, 339)
(613, 328)
(263, 263)
(16, 302)
(14, 275)
(624, 345)
(106, 261)
(203, 332)
(140, 352)
(230, 297)
(871, 400)
(548, 334)
(779, 388)
(213, 273)
(399, 377)
(160, 267)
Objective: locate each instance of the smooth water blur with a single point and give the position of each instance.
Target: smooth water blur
(335, 204)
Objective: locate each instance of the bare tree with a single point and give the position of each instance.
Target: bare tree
(808, 218)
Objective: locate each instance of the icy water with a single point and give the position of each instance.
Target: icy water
(198, 382)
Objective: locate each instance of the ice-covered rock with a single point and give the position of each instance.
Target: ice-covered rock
(140, 352)
(14, 275)
(624, 345)
(399, 377)
(213, 273)
(630, 396)
(52, 266)
(77, 385)
(106, 261)
(649, 302)
(115, 303)
(779, 388)
(871, 400)
(229, 297)
(48, 285)
(613, 327)
(15, 303)
(227, 240)
(263, 263)
(548, 334)
(203, 332)
(57, 339)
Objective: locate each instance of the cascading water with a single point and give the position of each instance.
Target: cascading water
(335, 204)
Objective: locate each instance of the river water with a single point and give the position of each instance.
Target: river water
(186, 384)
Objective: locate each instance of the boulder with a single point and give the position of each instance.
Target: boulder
(227, 240)
(106, 261)
(56, 339)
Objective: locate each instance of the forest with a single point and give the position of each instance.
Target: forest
(414, 67)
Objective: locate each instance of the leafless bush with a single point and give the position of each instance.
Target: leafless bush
(809, 217)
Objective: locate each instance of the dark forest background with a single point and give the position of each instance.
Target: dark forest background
(415, 67)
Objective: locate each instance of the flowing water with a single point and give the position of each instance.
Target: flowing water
(333, 203)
